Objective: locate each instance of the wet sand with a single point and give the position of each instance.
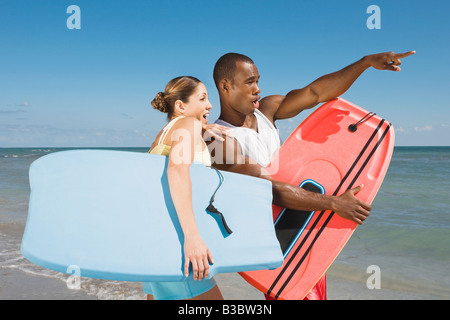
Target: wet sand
(18, 285)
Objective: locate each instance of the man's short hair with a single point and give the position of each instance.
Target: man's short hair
(226, 66)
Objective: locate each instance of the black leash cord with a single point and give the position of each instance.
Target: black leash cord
(354, 126)
(213, 209)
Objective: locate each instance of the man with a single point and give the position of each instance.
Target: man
(256, 139)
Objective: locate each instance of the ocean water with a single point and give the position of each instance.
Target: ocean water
(408, 232)
(14, 196)
(407, 235)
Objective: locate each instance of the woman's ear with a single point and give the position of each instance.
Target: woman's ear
(179, 107)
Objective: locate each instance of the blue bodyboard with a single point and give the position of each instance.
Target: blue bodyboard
(110, 214)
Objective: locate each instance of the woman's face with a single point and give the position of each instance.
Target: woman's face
(198, 105)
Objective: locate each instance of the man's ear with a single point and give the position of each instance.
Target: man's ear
(224, 86)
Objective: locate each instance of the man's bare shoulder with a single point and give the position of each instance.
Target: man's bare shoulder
(269, 105)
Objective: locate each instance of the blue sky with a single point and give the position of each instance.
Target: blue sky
(92, 87)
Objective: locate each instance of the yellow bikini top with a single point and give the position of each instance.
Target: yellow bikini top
(164, 149)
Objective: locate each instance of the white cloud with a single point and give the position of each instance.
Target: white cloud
(425, 128)
(139, 133)
(12, 111)
(401, 130)
(12, 108)
(23, 104)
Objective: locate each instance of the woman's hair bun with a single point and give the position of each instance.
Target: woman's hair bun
(179, 88)
(159, 103)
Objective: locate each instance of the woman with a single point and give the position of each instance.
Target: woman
(185, 100)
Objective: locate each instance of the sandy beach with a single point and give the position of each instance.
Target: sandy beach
(18, 285)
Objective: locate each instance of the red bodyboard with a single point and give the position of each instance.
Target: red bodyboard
(326, 152)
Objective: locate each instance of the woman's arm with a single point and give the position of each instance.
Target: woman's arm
(186, 135)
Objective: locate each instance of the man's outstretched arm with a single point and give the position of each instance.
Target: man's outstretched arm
(328, 86)
(227, 156)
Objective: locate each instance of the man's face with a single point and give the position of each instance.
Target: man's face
(244, 91)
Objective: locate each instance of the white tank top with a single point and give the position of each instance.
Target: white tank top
(259, 146)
